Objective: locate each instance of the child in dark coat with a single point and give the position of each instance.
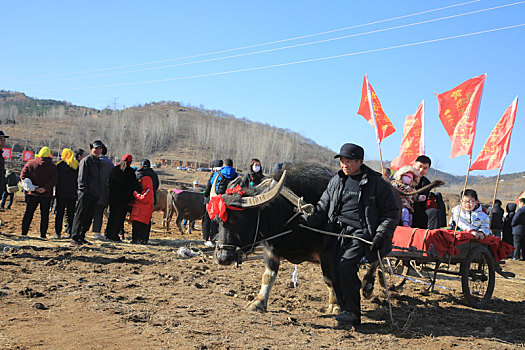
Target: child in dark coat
(142, 211)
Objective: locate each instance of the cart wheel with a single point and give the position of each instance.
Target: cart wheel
(477, 276)
(393, 268)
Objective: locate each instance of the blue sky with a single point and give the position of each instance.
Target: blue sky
(98, 53)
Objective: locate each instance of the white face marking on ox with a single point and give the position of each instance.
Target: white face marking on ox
(261, 301)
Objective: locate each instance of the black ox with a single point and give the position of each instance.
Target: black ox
(265, 215)
(188, 205)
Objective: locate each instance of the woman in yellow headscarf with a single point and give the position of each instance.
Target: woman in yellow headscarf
(44, 152)
(66, 191)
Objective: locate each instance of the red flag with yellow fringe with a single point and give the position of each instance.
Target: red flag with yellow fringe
(412, 143)
(458, 111)
(373, 112)
(497, 145)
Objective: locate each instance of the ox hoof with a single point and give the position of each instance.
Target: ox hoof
(256, 305)
(332, 309)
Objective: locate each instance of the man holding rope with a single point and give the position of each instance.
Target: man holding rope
(356, 202)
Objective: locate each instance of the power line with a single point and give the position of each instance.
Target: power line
(270, 42)
(287, 47)
(291, 63)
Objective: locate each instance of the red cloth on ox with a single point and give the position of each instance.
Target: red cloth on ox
(443, 241)
(216, 207)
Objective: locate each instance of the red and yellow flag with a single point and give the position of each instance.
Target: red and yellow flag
(412, 143)
(458, 111)
(497, 145)
(370, 108)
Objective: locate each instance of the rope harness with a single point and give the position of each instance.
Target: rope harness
(302, 207)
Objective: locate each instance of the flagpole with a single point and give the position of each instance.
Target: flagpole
(495, 192)
(460, 199)
(380, 158)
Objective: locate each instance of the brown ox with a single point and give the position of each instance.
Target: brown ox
(162, 205)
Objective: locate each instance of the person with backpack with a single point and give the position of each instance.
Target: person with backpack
(206, 222)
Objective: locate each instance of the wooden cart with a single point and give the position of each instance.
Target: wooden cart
(474, 263)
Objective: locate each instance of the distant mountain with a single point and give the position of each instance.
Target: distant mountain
(168, 129)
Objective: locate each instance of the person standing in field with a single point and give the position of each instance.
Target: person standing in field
(44, 175)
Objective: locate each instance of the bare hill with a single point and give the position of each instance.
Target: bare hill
(169, 130)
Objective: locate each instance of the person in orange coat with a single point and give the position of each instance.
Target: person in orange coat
(142, 210)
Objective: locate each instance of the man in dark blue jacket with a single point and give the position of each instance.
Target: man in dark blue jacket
(357, 202)
(518, 231)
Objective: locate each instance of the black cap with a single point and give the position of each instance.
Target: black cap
(145, 163)
(228, 162)
(97, 143)
(216, 163)
(79, 152)
(4, 135)
(351, 151)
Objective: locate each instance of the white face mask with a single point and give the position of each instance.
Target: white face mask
(256, 168)
(406, 179)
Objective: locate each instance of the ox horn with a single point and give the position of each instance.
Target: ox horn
(256, 201)
(213, 185)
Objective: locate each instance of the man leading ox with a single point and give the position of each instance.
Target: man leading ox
(357, 202)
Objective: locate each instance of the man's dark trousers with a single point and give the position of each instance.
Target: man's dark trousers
(343, 272)
(83, 216)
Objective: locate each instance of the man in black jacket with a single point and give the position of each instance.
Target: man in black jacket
(496, 219)
(122, 183)
(420, 218)
(357, 202)
(89, 191)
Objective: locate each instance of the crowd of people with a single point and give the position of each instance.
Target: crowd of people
(82, 185)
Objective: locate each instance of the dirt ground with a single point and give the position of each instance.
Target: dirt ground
(124, 296)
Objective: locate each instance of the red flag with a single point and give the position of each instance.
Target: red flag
(497, 145)
(6, 153)
(373, 112)
(412, 143)
(27, 155)
(458, 111)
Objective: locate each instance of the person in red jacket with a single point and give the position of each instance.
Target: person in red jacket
(142, 210)
(44, 175)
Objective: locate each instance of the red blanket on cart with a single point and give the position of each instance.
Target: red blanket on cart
(443, 241)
